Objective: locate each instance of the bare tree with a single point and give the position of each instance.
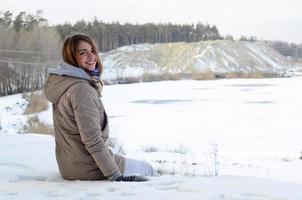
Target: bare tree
(27, 49)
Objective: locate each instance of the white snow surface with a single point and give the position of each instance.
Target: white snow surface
(245, 131)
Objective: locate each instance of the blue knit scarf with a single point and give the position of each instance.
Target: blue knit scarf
(95, 76)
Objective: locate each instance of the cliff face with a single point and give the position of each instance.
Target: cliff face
(219, 57)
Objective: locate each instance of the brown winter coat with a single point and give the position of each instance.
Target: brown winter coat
(81, 128)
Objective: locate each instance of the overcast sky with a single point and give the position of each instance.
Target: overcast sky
(265, 19)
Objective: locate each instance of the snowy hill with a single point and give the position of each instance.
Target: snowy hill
(221, 58)
(247, 131)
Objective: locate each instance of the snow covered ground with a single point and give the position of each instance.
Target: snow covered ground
(247, 131)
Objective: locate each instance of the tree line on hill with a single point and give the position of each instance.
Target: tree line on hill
(109, 36)
(29, 45)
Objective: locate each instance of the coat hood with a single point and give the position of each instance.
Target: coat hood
(61, 78)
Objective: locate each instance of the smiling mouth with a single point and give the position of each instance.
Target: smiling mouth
(91, 62)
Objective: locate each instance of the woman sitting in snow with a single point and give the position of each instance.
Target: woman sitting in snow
(80, 121)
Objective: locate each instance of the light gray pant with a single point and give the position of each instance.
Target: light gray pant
(138, 167)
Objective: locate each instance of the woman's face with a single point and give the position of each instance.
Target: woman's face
(86, 56)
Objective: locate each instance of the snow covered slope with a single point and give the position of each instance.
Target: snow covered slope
(28, 171)
(218, 57)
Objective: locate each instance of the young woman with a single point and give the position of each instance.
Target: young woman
(80, 121)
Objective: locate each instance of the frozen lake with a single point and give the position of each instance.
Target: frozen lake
(254, 124)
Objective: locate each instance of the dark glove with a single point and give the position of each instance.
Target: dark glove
(132, 178)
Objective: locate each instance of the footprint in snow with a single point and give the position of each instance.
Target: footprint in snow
(18, 178)
(17, 165)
